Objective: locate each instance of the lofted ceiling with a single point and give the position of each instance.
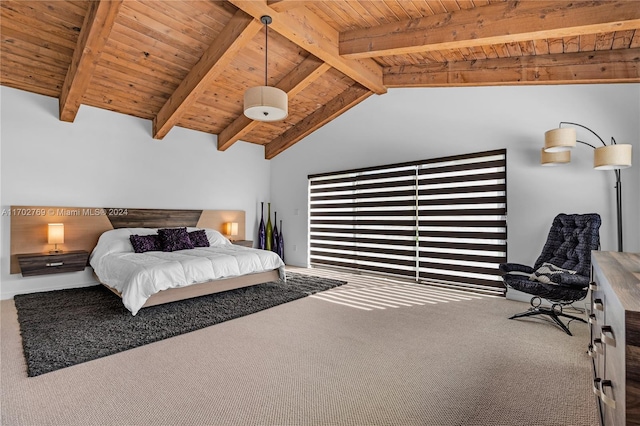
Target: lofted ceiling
(188, 62)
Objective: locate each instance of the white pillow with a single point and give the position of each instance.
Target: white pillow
(544, 273)
(116, 241)
(215, 237)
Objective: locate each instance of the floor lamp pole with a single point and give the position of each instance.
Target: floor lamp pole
(619, 207)
(616, 171)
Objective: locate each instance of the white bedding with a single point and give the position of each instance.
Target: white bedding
(137, 276)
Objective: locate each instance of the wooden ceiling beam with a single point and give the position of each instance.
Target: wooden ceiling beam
(610, 66)
(234, 36)
(308, 31)
(93, 36)
(509, 22)
(293, 83)
(284, 5)
(329, 111)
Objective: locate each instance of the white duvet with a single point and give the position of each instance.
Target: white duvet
(137, 276)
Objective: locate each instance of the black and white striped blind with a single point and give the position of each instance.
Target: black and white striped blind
(440, 219)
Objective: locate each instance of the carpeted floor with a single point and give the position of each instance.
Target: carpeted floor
(316, 362)
(67, 327)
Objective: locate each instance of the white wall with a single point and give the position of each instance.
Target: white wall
(105, 159)
(415, 124)
(109, 159)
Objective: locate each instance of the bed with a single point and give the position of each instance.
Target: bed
(144, 275)
(86, 226)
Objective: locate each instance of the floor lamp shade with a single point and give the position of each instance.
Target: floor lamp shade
(612, 157)
(554, 158)
(561, 139)
(265, 103)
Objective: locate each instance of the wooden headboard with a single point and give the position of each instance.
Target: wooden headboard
(84, 225)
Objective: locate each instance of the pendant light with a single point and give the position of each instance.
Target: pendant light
(265, 103)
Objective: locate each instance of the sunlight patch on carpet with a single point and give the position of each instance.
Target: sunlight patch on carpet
(369, 293)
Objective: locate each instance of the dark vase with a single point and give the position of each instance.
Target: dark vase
(269, 230)
(274, 245)
(262, 236)
(281, 243)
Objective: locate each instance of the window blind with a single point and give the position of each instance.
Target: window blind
(462, 209)
(439, 219)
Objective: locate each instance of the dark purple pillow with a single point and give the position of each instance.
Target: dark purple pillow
(173, 239)
(143, 243)
(199, 238)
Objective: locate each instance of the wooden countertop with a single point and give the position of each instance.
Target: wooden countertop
(622, 270)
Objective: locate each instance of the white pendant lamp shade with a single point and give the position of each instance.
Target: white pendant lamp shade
(265, 103)
(554, 158)
(561, 139)
(612, 157)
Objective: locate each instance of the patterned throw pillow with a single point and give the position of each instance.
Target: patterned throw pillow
(544, 273)
(199, 238)
(173, 239)
(144, 243)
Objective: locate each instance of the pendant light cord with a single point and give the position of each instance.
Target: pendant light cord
(266, 47)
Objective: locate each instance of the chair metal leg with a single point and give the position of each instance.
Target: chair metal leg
(560, 323)
(529, 313)
(554, 313)
(562, 314)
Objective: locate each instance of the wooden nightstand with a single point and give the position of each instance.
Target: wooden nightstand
(45, 263)
(243, 243)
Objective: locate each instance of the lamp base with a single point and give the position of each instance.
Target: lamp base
(55, 252)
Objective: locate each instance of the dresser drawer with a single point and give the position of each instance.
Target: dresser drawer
(596, 319)
(613, 373)
(44, 263)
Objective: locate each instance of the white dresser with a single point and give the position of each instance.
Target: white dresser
(615, 335)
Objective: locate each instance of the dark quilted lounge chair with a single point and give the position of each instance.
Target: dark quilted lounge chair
(568, 246)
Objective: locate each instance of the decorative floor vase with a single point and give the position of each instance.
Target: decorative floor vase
(274, 245)
(262, 233)
(281, 243)
(269, 230)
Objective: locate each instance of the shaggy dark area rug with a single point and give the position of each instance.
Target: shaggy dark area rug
(67, 327)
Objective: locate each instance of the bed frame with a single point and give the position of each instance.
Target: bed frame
(203, 289)
(84, 225)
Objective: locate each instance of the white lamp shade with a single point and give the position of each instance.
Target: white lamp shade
(612, 157)
(561, 139)
(232, 228)
(265, 103)
(554, 158)
(56, 233)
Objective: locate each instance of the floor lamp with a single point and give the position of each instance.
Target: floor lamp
(557, 145)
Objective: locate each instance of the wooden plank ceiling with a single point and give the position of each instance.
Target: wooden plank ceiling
(187, 63)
